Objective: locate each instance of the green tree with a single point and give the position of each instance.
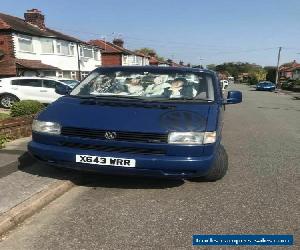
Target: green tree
(150, 52)
(271, 73)
(146, 51)
(236, 68)
(211, 67)
(257, 76)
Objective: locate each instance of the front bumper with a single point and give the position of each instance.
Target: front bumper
(146, 165)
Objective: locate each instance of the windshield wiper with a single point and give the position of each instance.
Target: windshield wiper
(119, 97)
(105, 97)
(189, 99)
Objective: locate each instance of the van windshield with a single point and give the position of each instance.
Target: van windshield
(146, 85)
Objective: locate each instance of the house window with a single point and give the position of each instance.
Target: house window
(84, 75)
(146, 61)
(125, 60)
(129, 60)
(67, 74)
(86, 52)
(59, 74)
(64, 48)
(71, 48)
(25, 43)
(137, 60)
(132, 60)
(96, 54)
(47, 46)
(50, 73)
(58, 47)
(73, 75)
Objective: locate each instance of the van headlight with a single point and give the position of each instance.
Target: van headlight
(46, 127)
(192, 137)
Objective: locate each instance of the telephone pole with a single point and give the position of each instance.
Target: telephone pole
(277, 69)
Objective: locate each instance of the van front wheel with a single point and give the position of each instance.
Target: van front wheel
(219, 168)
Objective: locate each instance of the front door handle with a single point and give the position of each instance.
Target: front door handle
(43, 90)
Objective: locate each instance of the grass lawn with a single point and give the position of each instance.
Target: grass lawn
(3, 116)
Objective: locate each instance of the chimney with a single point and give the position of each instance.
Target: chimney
(119, 42)
(35, 17)
(181, 63)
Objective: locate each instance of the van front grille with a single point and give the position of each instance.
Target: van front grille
(120, 136)
(105, 148)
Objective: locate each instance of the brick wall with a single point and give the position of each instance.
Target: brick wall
(111, 59)
(7, 62)
(17, 127)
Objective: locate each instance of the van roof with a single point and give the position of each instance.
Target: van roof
(154, 69)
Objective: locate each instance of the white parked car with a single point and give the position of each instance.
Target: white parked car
(70, 82)
(224, 84)
(230, 79)
(15, 89)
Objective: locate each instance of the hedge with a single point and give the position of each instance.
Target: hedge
(26, 107)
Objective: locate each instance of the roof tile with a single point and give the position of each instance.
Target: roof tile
(19, 25)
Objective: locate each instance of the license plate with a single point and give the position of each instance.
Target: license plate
(107, 161)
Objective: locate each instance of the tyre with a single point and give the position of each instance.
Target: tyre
(218, 169)
(7, 100)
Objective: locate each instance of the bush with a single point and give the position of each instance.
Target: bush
(252, 81)
(3, 139)
(297, 82)
(26, 107)
(287, 85)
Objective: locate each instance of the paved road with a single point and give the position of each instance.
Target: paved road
(259, 195)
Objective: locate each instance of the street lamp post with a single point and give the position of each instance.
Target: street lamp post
(201, 59)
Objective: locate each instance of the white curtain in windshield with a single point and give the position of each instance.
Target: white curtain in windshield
(171, 86)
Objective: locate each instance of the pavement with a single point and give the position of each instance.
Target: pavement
(295, 95)
(259, 195)
(14, 156)
(25, 185)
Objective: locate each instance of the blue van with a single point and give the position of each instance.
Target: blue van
(150, 121)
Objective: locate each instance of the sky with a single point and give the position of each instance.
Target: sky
(194, 31)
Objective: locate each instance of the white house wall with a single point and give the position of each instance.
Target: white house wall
(64, 62)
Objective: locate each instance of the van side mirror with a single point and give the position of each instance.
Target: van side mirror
(62, 89)
(234, 97)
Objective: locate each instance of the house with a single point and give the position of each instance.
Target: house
(115, 54)
(28, 47)
(223, 75)
(154, 61)
(243, 77)
(290, 71)
(171, 63)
